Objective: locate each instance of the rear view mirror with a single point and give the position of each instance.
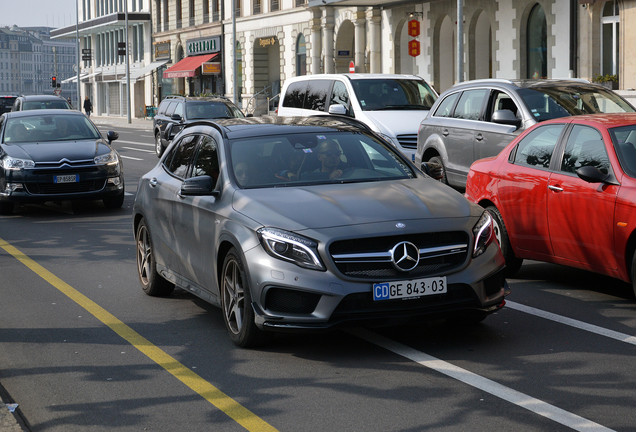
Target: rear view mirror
(506, 117)
(175, 117)
(201, 185)
(433, 170)
(592, 174)
(112, 136)
(338, 109)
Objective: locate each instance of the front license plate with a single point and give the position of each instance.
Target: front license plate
(66, 179)
(409, 288)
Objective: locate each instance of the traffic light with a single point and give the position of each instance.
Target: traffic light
(54, 82)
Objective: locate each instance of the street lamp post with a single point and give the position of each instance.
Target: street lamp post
(78, 53)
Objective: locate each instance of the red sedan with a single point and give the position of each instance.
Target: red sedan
(565, 192)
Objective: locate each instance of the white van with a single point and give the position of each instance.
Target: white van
(391, 105)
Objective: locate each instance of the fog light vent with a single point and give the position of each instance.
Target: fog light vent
(287, 301)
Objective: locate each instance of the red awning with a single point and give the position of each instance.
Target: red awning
(188, 66)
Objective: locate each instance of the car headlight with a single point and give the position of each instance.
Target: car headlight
(483, 233)
(107, 159)
(291, 247)
(17, 164)
(390, 140)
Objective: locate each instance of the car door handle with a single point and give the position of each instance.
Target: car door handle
(479, 137)
(153, 182)
(445, 132)
(555, 188)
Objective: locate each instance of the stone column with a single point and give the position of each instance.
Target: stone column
(360, 24)
(316, 46)
(328, 24)
(375, 44)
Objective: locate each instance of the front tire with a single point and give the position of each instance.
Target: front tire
(513, 264)
(438, 160)
(236, 302)
(114, 202)
(152, 282)
(6, 208)
(158, 146)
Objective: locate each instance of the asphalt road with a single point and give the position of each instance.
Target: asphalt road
(83, 348)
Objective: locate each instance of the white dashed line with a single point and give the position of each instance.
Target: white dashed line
(128, 157)
(537, 406)
(573, 323)
(140, 150)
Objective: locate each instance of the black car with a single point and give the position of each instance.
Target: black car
(34, 102)
(57, 155)
(179, 110)
(6, 103)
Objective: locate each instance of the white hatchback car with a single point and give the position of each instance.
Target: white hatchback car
(391, 105)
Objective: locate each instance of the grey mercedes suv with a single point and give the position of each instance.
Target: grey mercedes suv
(308, 224)
(477, 119)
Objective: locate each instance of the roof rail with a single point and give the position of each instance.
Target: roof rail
(485, 80)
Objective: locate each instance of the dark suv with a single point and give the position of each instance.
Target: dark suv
(477, 119)
(180, 110)
(6, 102)
(31, 102)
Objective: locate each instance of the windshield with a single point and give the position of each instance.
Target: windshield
(562, 101)
(48, 104)
(49, 128)
(624, 139)
(393, 94)
(211, 110)
(314, 158)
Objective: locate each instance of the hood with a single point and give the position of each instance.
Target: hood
(395, 123)
(337, 205)
(55, 151)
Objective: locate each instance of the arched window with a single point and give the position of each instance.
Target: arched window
(537, 44)
(301, 56)
(609, 38)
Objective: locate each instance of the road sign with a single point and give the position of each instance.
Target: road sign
(352, 67)
(57, 91)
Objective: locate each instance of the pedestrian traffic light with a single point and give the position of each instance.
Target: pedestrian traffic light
(121, 48)
(54, 82)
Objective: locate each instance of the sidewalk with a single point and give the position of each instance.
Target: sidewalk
(123, 121)
(9, 422)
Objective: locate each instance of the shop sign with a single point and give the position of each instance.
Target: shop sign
(414, 48)
(203, 46)
(344, 53)
(263, 42)
(162, 51)
(414, 28)
(211, 68)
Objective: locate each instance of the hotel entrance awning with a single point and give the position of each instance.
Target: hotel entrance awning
(188, 66)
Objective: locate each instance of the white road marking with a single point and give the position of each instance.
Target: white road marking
(133, 142)
(128, 157)
(136, 149)
(573, 323)
(522, 400)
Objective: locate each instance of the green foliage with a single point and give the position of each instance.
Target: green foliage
(605, 78)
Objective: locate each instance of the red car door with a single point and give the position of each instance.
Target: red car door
(581, 214)
(523, 188)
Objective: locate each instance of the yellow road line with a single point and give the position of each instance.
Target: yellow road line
(216, 397)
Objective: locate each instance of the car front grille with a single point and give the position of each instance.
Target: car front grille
(370, 258)
(65, 188)
(408, 141)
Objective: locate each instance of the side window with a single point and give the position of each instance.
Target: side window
(502, 101)
(317, 91)
(585, 147)
(179, 109)
(339, 94)
(445, 107)
(295, 95)
(163, 107)
(536, 148)
(470, 104)
(171, 108)
(184, 151)
(207, 159)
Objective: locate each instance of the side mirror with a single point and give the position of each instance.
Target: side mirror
(112, 136)
(506, 117)
(592, 174)
(433, 170)
(175, 117)
(201, 185)
(249, 115)
(338, 109)
(171, 131)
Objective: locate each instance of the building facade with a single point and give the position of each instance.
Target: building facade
(29, 59)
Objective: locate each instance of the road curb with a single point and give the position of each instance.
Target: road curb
(10, 421)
